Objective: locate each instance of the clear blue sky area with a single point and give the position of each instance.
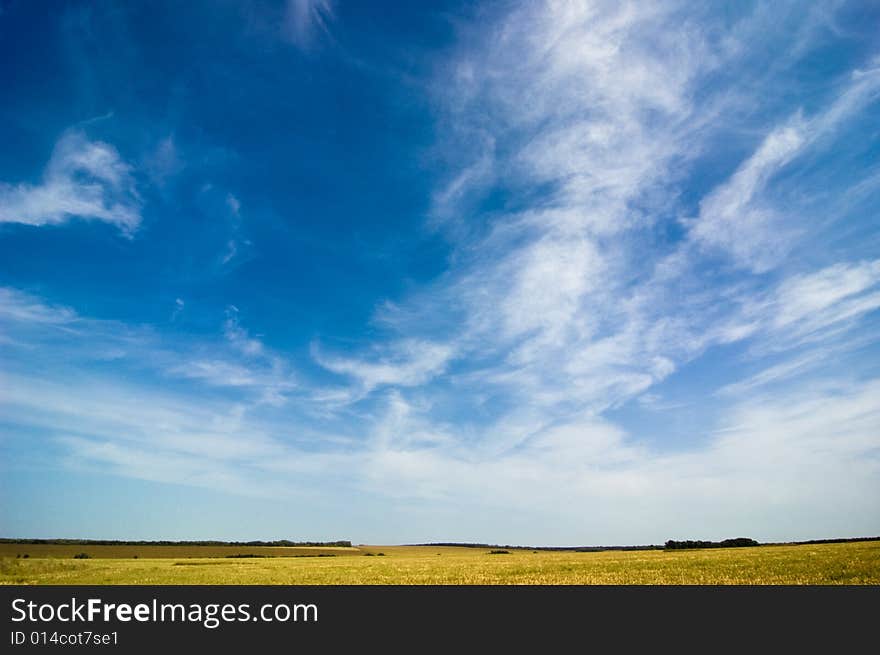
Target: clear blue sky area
(563, 273)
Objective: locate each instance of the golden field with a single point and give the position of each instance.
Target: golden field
(840, 563)
(152, 551)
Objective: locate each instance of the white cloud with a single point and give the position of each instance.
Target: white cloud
(136, 431)
(165, 161)
(588, 98)
(740, 216)
(732, 218)
(586, 116)
(809, 307)
(773, 374)
(234, 204)
(270, 381)
(37, 329)
(236, 245)
(861, 89)
(22, 307)
(231, 252)
(817, 300)
(83, 179)
(756, 476)
(306, 20)
(217, 372)
(406, 363)
(586, 103)
(578, 472)
(549, 280)
(475, 177)
(238, 336)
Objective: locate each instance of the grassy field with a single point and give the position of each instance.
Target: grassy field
(842, 563)
(67, 551)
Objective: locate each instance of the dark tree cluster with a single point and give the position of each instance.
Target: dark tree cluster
(739, 542)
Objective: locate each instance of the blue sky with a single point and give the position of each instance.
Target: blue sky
(564, 273)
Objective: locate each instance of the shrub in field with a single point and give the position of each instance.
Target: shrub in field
(247, 556)
(82, 556)
(499, 552)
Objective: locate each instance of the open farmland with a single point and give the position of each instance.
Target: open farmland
(155, 551)
(834, 563)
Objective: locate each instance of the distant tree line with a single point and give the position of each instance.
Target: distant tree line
(465, 545)
(580, 549)
(670, 545)
(108, 542)
(599, 549)
(824, 541)
(739, 542)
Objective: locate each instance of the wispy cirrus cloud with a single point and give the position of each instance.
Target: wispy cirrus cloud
(738, 217)
(36, 329)
(236, 245)
(807, 304)
(306, 20)
(20, 307)
(770, 447)
(404, 364)
(83, 179)
(165, 161)
(572, 299)
(238, 336)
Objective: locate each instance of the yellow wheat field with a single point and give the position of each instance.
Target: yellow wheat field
(843, 563)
